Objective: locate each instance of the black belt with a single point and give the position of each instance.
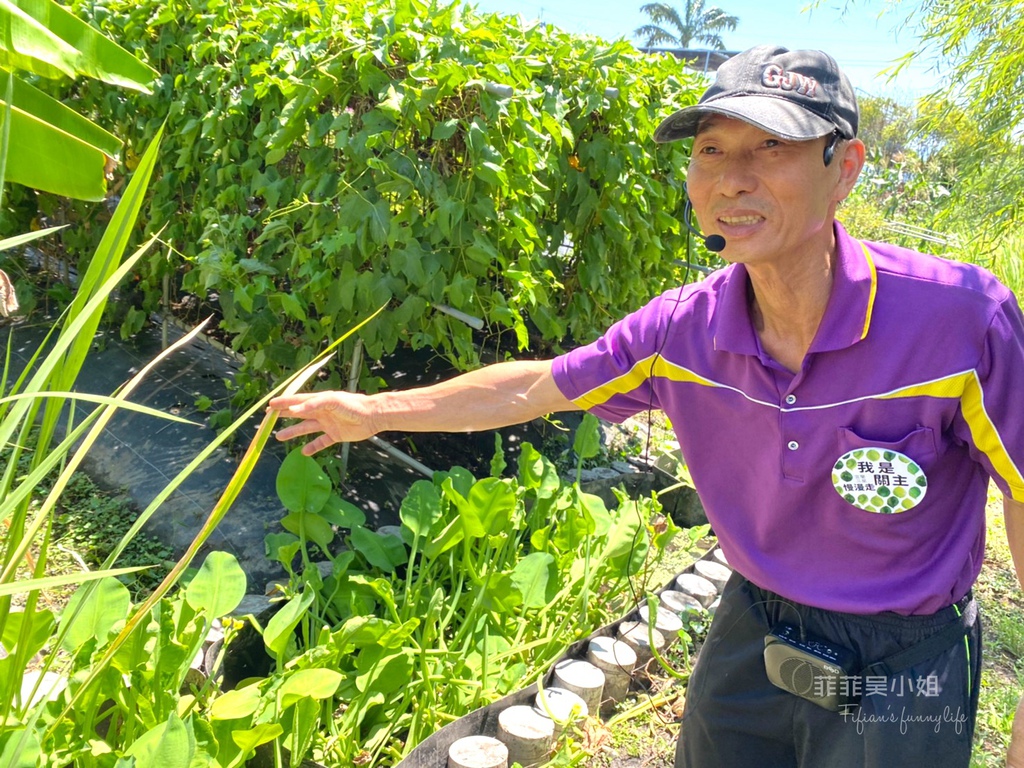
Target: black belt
(931, 646)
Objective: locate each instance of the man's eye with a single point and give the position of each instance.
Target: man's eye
(708, 150)
(772, 143)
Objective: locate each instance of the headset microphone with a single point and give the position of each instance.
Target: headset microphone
(714, 243)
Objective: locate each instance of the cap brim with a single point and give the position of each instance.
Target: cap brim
(776, 116)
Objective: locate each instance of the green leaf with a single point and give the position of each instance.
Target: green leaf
(41, 625)
(54, 113)
(304, 721)
(282, 547)
(537, 473)
(166, 746)
(30, 585)
(301, 484)
(95, 56)
(342, 513)
(20, 748)
(248, 740)
(314, 683)
(46, 158)
(91, 615)
(383, 552)
(309, 527)
(421, 508)
(492, 173)
(383, 674)
(283, 623)
(28, 237)
(444, 130)
(218, 587)
(536, 578)
(489, 506)
(587, 442)
(236, 704)
(29, 45)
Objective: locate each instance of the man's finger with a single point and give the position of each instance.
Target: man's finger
(306, 427)
(315, 446)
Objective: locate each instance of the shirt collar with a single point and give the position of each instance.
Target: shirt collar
(847, 315)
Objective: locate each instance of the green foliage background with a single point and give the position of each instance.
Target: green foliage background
(324, 159)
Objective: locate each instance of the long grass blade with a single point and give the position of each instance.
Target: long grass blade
(106, 414)
(28, 237)
(124, 405)
(33, 585)
(291, 385)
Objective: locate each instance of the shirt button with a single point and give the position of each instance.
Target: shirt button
(790, 399)
(793, 445)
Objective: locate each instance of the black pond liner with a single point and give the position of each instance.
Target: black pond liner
(432, 752)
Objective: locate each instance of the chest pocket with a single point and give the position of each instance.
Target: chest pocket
(884, 476)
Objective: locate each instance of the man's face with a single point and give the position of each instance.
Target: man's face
(772, 199)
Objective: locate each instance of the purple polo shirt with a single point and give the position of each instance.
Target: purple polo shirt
(858, 484)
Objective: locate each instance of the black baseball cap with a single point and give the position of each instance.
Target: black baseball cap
(797, 95)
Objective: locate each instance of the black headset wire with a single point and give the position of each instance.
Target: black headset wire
(641, 523)
(828, 155)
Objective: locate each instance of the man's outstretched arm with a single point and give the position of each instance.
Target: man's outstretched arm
(491, 397)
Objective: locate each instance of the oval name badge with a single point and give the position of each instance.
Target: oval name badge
(879, 480)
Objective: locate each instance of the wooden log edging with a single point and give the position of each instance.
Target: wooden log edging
(433, 752)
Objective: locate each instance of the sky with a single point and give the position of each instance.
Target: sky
(864, 39)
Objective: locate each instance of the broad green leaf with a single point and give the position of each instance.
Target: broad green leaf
(236, 704)
(30, 45)
(452, 534)
(537, 472)
(386, 552)
(587, 442)
(359, 632)
(96, 55)
(489, 506)
(283, 623)
(314, 683)
(397, 635)
(303, 724)
(248, 740)
(166, 746)
(421, 508)
(41, 625)
(301, 483)
(383, 674)
(52, 112)
(309, 526)
(282, 547)
(536, 577)
(342, 513)
(46, 158)
(501, 594)
(92, 616)
(20, 748)
(218, 587)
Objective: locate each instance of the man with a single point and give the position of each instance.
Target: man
(841, 405)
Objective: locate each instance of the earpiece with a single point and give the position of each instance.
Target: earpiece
(830, 148)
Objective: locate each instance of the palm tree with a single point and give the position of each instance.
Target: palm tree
(696, 23)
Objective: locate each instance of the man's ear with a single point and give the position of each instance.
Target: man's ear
(850, 160)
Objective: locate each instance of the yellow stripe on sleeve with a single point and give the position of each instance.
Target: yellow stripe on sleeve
(651, 367)
(987, 438)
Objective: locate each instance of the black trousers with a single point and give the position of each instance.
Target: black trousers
(736, 718)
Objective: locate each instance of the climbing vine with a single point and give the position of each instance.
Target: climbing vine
(324, 159)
